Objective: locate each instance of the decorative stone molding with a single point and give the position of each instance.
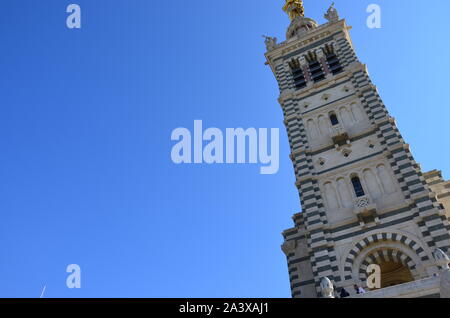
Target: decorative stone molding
(339, 135)
(289, 247)
(307, 38)
(366, 210)
(325, 97)
(407, 243)
(385, 253)
(321, 161)
(405, 254)
(370, 143)
(363, 204)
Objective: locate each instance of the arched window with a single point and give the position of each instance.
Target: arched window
(357, 186)
(334, 120)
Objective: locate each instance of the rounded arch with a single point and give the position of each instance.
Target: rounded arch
(312, 129)
(374, 237)
(331, 196)
(344, 192)
(387, 182)
(324, 127)
(380, 255)
(345, 116)
(356, 112)
(372, 185)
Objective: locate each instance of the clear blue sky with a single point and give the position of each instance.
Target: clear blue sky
(85, 123)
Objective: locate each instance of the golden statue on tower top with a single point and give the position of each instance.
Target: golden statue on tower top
(294, 8)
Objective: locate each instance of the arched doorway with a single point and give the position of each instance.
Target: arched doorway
(395, 267)
(394, 273)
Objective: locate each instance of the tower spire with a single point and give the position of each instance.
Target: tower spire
(294, 8)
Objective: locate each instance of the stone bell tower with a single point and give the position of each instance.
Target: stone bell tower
(364, 198)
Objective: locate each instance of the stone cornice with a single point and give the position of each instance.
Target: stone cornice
(323, 31)
(331, 227)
